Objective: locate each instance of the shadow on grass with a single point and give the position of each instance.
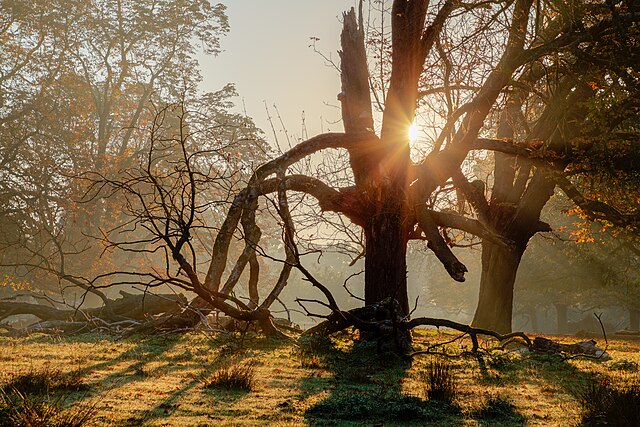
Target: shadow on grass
(367, 387)
(70, 390)
(133, 365)
(499, 411)
(560, 373)
(230, 351)
(500, 368)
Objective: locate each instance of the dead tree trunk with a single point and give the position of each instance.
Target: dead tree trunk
(136, 308)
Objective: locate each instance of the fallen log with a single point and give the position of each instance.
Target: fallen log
(132, 308)
(582, 348)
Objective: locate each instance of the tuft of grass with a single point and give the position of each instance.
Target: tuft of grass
(604, 404)
(21, 410)
(500, 362)
(236, 377)
(439, 382)
(45, 380)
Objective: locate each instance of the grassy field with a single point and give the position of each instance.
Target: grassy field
(165, 381)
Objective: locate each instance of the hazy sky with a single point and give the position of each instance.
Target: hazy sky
(267, 56)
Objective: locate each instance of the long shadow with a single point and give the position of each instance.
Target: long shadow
(367, 388)
(499, 411)
(234, 350)
(132, 365)
(500, 368)
(551, 372)
(559, 373)
(145, 350)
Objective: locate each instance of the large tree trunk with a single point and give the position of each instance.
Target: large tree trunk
(385, 260)
(495, 304)
(380, 168)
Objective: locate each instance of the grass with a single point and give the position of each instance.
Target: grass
(605, 403)
(499, 410)
(35, 398)
(159, 381)
(18, 410)
(43, 381)
(440, 382)
(236, 377)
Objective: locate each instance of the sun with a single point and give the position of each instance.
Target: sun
(413, 132)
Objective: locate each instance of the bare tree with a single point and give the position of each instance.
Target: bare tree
(390, 197)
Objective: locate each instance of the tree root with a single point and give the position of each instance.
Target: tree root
(378, 322)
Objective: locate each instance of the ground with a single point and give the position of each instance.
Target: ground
(160, 381)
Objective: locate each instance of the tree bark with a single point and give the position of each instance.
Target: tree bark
(129, 307)
(495, 303)
(385, 260)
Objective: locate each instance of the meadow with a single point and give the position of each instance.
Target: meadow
(220, 379)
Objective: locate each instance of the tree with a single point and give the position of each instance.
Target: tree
(392, 197)
(167, 204)
(80, 86)
(575, 114)
(394, 200)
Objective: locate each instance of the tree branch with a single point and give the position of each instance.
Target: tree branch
(595, 209)
(437, 244)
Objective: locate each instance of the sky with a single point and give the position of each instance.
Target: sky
(267, 55)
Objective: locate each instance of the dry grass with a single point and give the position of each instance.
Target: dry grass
(236, 377)
(605, 403)
(44, 380)
(158, 381)
(439, 381)
(23, 410)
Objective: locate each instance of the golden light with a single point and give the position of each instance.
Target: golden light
(413, 132)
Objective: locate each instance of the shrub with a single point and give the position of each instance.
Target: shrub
(236, 377)
(603, 403)
(439, 382)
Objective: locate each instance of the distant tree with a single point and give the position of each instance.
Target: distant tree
(80, 86)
